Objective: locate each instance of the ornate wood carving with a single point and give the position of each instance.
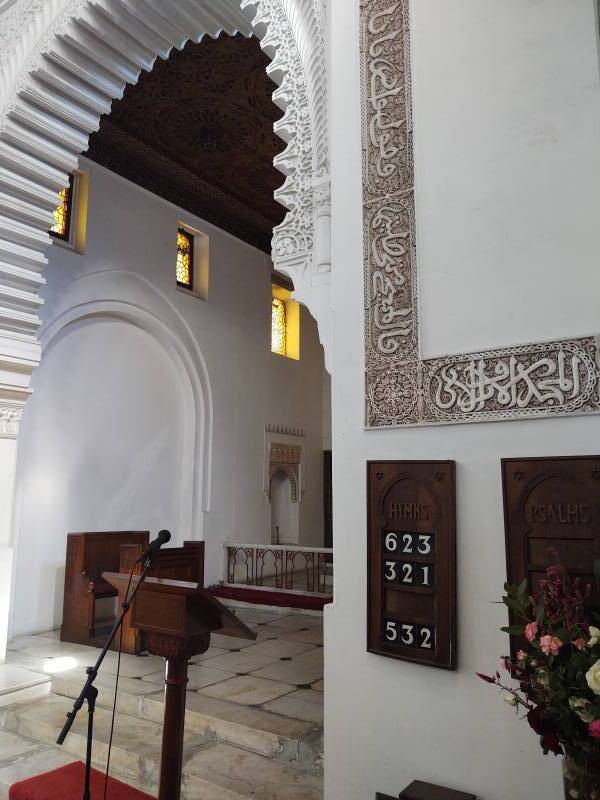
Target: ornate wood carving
(198, 131)
(532, 380)
(175, 648)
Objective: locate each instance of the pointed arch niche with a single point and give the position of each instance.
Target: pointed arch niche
(61, 65)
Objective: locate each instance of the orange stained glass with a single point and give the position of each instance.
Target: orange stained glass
(185, 258)
(62, 214)
(278, 327)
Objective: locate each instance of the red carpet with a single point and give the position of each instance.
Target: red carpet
(66, 783)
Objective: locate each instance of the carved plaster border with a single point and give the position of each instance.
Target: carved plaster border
(532, 380)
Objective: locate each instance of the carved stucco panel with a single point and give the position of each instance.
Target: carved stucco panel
(533, 380)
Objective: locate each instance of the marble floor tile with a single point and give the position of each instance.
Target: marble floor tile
(305, 704)
(300, 621)
(69, 684)
(294, 672)
(43, 759)
(242, 662)
(264, 633)
(248, 690)
(132, 666)
(210, 653)
(13, 746)
(13, 679)
(198, 676)
(310, 636)
(278, 648)
(229, 642)
(52, 648)
(314, 656)
(249, 616)
(240, 774)
(55, 634)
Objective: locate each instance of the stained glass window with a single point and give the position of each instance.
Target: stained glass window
(278, 327)
(62, 214)
(185, 259)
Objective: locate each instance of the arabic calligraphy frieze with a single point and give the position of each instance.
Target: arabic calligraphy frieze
(402, 389)
(387, 123)
(555, 378)
(390, 301)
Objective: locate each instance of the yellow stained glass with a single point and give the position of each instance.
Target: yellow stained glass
(278, 327)
(185, 258)
(60, 229)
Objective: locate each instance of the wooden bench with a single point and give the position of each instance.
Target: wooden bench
(88, 556)
(174, 563)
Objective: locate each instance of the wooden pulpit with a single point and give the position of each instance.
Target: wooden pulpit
(177, 618)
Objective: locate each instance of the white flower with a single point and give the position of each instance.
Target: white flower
(594, 636)
(593, 677)
(510, 699)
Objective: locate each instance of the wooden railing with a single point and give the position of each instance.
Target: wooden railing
(279, 566)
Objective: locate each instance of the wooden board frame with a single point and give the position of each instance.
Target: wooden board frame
(412, 505)
(565, 515)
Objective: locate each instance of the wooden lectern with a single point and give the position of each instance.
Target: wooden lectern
(177, 618)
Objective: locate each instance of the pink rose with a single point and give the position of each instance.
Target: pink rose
(550, 645)
(594, 729)
(521, 655)
(579, 644)
(531, 630)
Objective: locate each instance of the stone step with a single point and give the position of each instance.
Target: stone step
(267, 734)
(212, 770)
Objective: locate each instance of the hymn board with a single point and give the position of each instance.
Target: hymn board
(552, 504)
(412, 561)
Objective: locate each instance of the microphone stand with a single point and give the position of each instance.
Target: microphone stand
(89, 692)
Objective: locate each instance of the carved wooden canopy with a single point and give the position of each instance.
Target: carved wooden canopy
(198, 131)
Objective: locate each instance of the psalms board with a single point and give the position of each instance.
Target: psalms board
(551, 504)
(412, 561)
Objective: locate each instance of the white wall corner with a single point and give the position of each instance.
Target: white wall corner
(6, 560)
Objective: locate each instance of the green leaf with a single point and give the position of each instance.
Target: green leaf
(563, 635)
(514, 630)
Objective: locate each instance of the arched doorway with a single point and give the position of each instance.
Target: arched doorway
(284, 509)
(61, 72)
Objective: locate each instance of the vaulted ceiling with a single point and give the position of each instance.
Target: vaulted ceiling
(198, 131)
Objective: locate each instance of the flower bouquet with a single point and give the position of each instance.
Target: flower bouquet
(558, 674)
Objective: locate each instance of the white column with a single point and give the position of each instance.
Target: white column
(17, 360)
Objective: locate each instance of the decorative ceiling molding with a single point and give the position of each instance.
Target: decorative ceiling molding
(198, 131)
(533, 380)
(62, 62)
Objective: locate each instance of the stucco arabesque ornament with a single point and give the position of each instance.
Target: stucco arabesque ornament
(47, 112)
(532, 380)
(10, 418)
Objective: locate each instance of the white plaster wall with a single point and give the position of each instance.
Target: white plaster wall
(386, 722)
(102, 439)
(8, 448)
(507, 128)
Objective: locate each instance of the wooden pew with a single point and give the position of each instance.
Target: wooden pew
(174, 563)
(88, 556)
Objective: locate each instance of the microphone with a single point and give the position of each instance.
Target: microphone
(154, 546)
